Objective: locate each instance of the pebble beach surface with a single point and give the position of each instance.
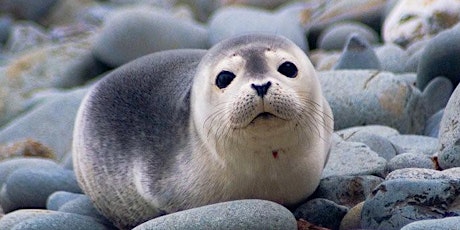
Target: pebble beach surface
(388, 68)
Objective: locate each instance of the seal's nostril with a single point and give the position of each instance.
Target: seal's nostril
(261, 89)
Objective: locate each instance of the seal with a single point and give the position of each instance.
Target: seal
(186, 128)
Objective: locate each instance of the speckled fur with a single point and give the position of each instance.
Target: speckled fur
(156, 136)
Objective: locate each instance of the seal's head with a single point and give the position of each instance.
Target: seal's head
(258, 95)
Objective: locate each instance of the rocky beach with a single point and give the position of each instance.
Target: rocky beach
(388, 68)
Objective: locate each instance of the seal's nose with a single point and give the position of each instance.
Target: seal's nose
(261, 89)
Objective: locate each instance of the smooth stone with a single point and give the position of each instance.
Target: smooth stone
(398, 202)
(379, 130)
(440, 58)
(352, 220)
(446, 223)
(59, 221)
(9, 166)
(411, 20)
(25, 36)
(6, 24)
(413, 61)
(28, 10)
(381, 145)
(13, 218)
(239, 214)
(232, 21)
(357, 54)
(30, 188)
(432, 124)
(417, 144)
(392, 58)
(346, 159)
(449, 133)
(50, 122)
(57, 199)
(410, 160)
(133, 32)
(335, 36)
(37, 70)
(366, 97)
(83, 206)
(346, 190)
(321, 212)
(425, 174)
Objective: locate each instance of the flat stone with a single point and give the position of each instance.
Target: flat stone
(439, 224)
(336, 35)
(377, 143)
(9, 166)
(133, 32)
(410, 160)
(357, 54)
(396, 203)
(13, 218)
(240, 214)
(418, 144)
(321, 212)
(346, 190)
(425, 174)
(380, 130)
(353, 159)
(30, 188)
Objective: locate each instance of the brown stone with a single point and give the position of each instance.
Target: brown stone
(25, 148)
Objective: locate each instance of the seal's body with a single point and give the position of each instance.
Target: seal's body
(181, 129)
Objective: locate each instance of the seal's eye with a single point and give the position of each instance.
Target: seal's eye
(288, 69)
(224, 79)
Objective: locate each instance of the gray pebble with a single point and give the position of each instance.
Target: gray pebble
(380, 130)
(240, 214)
(29, 10)
(347, 190)
(13, 218)
(447, 223)
(449, 133)
(59, 198)
(425, 174)
(131, 33)
(398, 202)
(83, 206)
(59, 221)
(345, 159)
(412, 62)
(5, 29)
(30, 188)
(410, 160)
(382, 146)
(392, 58)
(357, 54)
(335, 36)
(321, 212)
(433, 123)
(440, 58)
(9, 166)
(232, 21)
(417, 144)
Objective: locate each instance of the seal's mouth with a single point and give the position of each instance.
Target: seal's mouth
(264, 115)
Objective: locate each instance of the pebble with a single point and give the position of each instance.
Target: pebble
(440, 58)
(449, 134)
(357, 54)
(131, 33)
(425, 174)
(57, 199)
(365, 97)
(232, 21)
(433, 123)
(336, 35)
(417, 144)
(82, 205)
(413, 20)
(28, 10)
(439, 224)
(6, 23)
(410, 160)
(13, 218)
(30, 188)
(412, 62)
(379, 130)
(25, 148)
(10, 165)
(352, 220)
(347, 190)
(396, 203)
(57, 221)
(392, 58)
(47, 123)
(321, 212)
(345, 160)
(239, 214)
(381, 145)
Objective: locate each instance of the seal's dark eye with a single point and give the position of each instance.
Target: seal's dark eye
(288, 69)
(224, 78)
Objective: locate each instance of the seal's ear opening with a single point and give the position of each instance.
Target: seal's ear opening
(288, 69)
(224, 79)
